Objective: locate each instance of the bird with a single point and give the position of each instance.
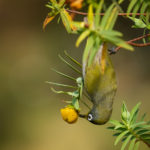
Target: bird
(100, 85)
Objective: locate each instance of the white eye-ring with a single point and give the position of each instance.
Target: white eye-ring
(90, 117)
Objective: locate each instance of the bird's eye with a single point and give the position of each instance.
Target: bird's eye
(90, 117)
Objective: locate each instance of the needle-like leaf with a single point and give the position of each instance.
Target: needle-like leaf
(97, 16)
(132, 144)
(72, 59)
(131, 5)
(136, 145)
(90, 16)
(62, 92)
(67, 76)
(120, 136)
(68, 64)
(126, 142)
(82, 37)
(63, 85)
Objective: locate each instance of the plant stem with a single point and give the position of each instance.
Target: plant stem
(148, 144)
(138, 138)
(102, 14)
(136, 44)
(139, 44)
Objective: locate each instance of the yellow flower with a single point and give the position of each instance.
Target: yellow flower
(68, 114)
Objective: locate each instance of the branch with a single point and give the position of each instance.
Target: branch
(139, 44)
(145, 142)
(102, 14)
(129, 130)
(139, 38)
(134, 44)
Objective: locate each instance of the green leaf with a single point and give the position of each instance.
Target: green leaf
(120, 126)
(117, 134)
(66, 19)
(136, 145)
(80, 85)
(145, 126)
(126, 142)
(148, 18)
(144, 7)
(132, 143)
(117, 41)
(62, 92)
(75, 103)
(49, 6)
(104, 20)
(111, 36)
(124, 108)
(75, 94)
(88, 47)
(90, 16)
(61, 3)
(115, 122)
(59, 84)
(97, 16)
(143, 131)
(131, 5)
(62, 74)
(111, 128)
(120, 1)
(53, 1)
(138, 22)
(136, 8)
(134, 113)
(82, 37)
(72, 59)
(143, 117)
(68, 102)
(110, 33)
(145, 136)
(137, 124)
(112, 19)
(68, 64)
(123, 44)
(79, 81)
(120, 136)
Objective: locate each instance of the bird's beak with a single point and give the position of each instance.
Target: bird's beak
(83, 116)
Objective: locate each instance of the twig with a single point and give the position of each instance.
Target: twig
(139, 44)
(145, 142)
(102, 14)
(135, 44)
(139, 138)
(139, 38)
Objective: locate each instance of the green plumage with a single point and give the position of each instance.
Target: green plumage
(100, 84)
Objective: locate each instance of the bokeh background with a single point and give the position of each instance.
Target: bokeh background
(29, 112)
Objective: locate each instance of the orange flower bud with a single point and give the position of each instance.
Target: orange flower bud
(68, 114)
(77, 4)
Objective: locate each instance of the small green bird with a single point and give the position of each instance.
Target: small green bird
(100, 85)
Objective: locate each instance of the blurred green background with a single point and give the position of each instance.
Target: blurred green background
(29, 111)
